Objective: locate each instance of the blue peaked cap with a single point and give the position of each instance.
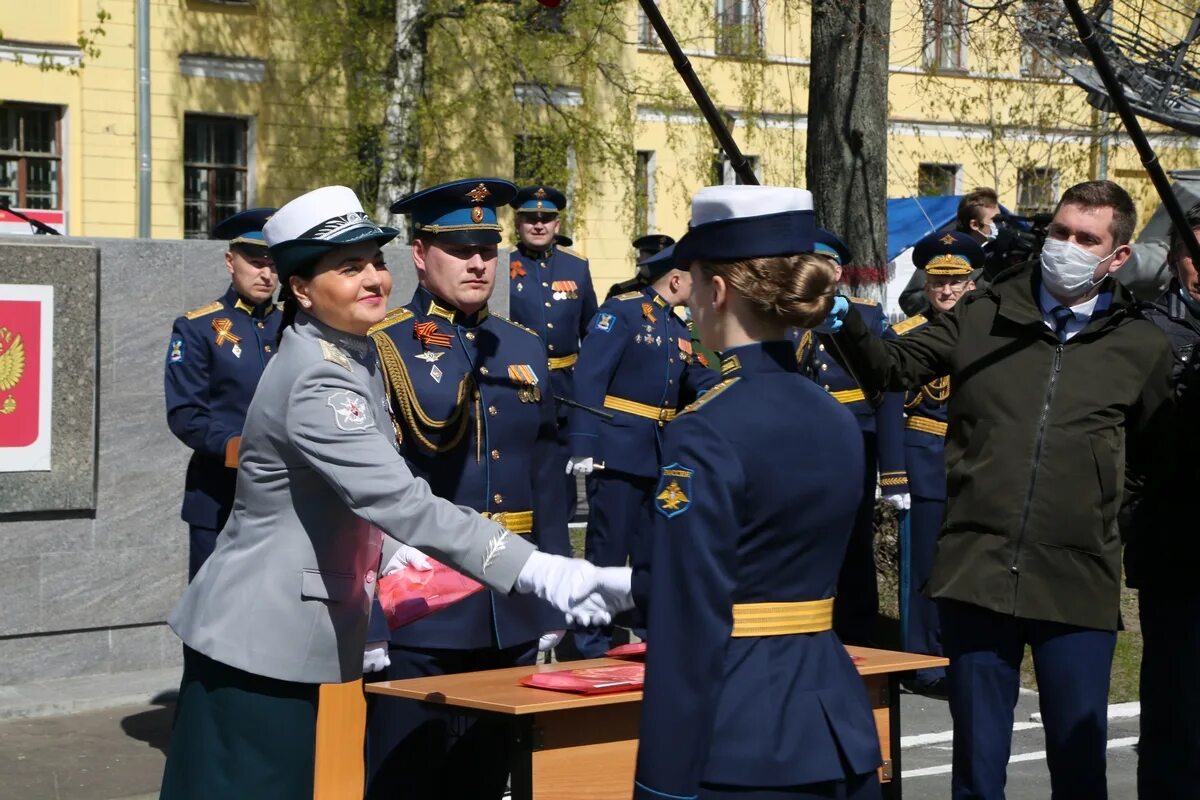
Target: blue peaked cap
(245, 227)
(829, 244)
(535, 199)
(459, 212)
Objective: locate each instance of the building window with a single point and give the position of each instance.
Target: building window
(214, 172)
(31, 156)
(945, 35)
(724, 175)
(935, 180)
(1036, 65)
(540, 159)
(643, 212)
(647, 37)
(1037, 190)
(739, 27)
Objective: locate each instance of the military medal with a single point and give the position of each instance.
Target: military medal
(429, 356)
(435, 373)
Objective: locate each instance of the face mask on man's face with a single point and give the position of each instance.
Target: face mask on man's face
(993, 230)
(1067, 269)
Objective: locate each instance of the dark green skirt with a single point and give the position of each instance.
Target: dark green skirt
(239, 735)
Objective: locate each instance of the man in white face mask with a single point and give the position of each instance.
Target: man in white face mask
(1061, 390)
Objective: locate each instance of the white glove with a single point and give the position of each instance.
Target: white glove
(900, 502)
(404, 557)
(580, 466)
(375, 657)
(562, 582)
(611, 597)
(549, 641)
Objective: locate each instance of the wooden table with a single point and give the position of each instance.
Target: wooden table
(585, 748)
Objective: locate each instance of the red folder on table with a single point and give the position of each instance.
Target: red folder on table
(590, 680)
(409, 594)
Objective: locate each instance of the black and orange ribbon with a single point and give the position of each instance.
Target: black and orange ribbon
(516, 270)
(648, 312)
(224, 328)
(427, 334)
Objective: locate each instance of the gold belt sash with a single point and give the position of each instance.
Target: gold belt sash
(520, 522)
(563, 362)
(927, 425)
(849, 396)
(639, 409)
(782, 619)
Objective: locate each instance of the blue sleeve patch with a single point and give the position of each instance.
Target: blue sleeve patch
(604, 322)
(673, 495)
(175, 351)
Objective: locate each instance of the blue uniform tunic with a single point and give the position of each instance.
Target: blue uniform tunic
(636, 364)
(755, 503)
(215, 358)
(924, 460)
(882, 433)
(472, 407)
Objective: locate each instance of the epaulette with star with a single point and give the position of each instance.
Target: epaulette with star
(211, 308)
(393, 317)
(530, 331)
(901, 328)
(629, 296)
(707, 397)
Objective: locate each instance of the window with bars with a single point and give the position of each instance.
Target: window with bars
(724, 175)
(647, 37)
(643, 212)
(31, 155)
(935, 180)
(214, 171)
(1037, 190)
(945, 35)
(739, 27)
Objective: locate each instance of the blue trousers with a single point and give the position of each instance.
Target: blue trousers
(1169, 747)
(201, 542)
(420, 751)
(924, 632)
(618, 508)
(1072, 665)
(857, 602)
(856, 787)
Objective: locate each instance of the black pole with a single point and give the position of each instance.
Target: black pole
(1087, 35)
(37, 225)
(684, 67)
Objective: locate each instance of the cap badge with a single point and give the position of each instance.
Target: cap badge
(478, 194)
(540, 194)
(477, 214)
(947, 239)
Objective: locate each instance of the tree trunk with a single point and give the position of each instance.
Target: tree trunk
(402, 154)
(847, 132)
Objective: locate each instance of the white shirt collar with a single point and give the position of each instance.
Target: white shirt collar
(1082, 311)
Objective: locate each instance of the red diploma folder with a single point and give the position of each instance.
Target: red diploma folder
(409, 594)
(590, 680)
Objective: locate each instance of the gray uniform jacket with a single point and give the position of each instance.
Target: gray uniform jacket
(287, 590)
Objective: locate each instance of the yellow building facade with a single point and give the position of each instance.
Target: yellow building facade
(238, 115)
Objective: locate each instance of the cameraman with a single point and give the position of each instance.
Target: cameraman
(1162, 553)
(977, 213)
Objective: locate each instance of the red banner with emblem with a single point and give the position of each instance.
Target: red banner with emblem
(20, 371)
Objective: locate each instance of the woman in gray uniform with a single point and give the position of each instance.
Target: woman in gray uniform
(281, 605)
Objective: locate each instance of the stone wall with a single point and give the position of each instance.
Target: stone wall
(86, 582)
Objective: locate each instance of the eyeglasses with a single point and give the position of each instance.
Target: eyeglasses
(539, 217)
(955, 286)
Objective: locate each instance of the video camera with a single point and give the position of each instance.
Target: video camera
(1019, 240)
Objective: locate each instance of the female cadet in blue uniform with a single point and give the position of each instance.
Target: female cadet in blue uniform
(216, 356)
(550, 292)
(636, 363)
(880, 421)
(749, 692)
(950, 261)
(475, 417)
(281, 605)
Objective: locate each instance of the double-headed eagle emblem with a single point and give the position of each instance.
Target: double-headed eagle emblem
(12, 366)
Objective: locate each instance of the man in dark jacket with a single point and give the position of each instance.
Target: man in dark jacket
(1057, 380)
(1162, 555)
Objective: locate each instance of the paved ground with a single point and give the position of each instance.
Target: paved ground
(118, 754)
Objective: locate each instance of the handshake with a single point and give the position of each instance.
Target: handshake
(588, 595)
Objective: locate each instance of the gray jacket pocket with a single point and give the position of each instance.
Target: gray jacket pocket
(339, 587)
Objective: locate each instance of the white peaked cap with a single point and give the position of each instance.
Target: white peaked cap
(298, 218)
(720, 203)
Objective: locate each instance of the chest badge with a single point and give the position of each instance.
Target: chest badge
(429, 356)
(672, 496)
(527, 382)
(565, 290)
(435, 373)
(224, 329)
(648, 312)
(237, 351)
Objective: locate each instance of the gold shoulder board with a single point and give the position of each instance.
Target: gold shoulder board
(391, 318)
(575, 253)
(901, 328)
(708, 396)
(212, 307)
(530, 331)
(862, 301)
(628, 296)
(334, 353)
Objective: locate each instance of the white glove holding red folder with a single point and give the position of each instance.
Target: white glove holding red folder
(407, 556)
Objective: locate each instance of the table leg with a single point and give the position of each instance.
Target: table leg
(892, 789)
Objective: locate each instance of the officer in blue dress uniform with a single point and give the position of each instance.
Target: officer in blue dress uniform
(880, 420)
(951, 262)
(749, 692)
(637, 365)
(216, 356)
(474, 415)
(550, 292)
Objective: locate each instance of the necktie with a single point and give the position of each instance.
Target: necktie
(1062, 315)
